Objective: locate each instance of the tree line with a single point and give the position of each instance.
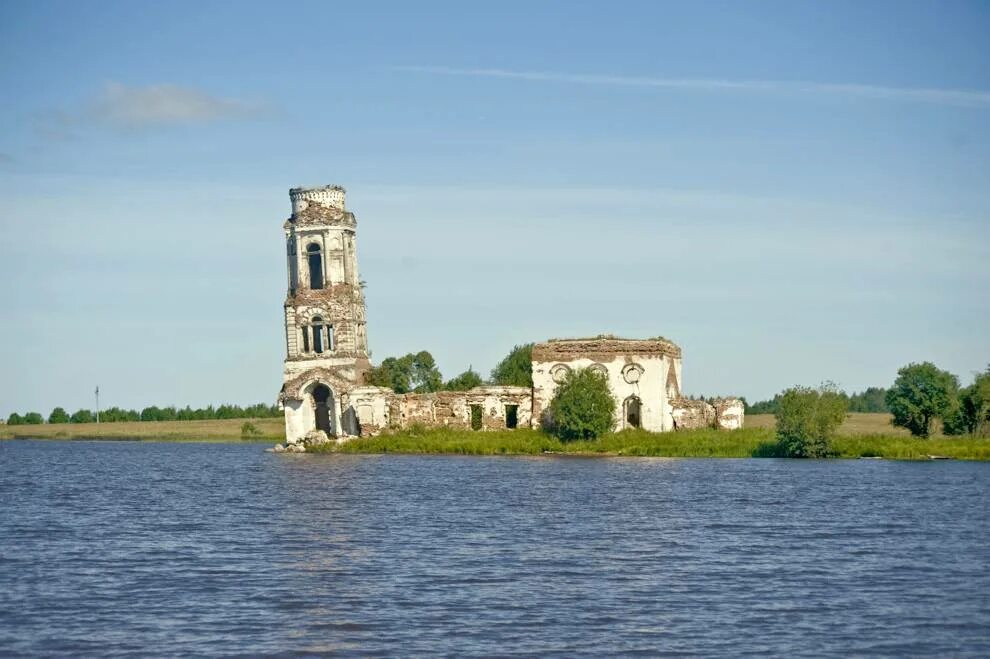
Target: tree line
(153, 413)
(872, 400)
(415, 372)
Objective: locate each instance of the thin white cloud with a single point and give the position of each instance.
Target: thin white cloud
(125, 107)
(155, 105)
(947, 97)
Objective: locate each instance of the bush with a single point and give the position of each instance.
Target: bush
(15, 419)
(58, 415)
(249, 430)
(583, 407)
(921, 393)
(807, 419)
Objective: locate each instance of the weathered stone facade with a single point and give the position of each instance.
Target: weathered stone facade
(644, 376)
(325, 333)
(324, 394)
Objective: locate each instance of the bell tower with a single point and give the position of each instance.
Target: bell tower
(325, 335)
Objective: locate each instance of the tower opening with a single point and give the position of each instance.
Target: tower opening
(323, 398)
(315, 256)
(318, 335)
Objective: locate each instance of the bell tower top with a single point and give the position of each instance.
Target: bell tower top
(330, 196)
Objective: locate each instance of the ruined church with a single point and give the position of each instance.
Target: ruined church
(324, 394)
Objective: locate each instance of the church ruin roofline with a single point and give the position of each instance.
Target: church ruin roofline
(316, 188)
(603, 345)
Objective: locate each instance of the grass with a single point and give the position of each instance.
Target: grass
(707, 443)
(225, 430)
(862, 435)
(746, 443)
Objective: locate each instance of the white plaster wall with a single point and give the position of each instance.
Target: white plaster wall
(655, 411)
(731, 414)
(300, 415)
(370, 404)
(299, 420)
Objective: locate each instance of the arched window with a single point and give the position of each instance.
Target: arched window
(330, 342)
(317, 334)
(315, 257)
(632, 410)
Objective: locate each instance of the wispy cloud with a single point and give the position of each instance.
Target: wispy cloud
(947, 97)
(165, 104)
(127, 107)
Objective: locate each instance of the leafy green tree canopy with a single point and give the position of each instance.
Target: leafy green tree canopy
(583, 406)
(15, 419)
(469, 379)
(807, 419)
(414, 372)
(516, 369)
(972, 413)
(920, 394)
(58, 415)
(34, 418)
(82, 416)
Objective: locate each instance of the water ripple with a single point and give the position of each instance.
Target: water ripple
(130, 549)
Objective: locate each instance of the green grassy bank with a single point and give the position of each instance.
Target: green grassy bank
(862, 435)
(215, 430)
(749, 442)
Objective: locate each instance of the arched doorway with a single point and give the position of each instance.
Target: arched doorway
(632, 410)
(323, 400)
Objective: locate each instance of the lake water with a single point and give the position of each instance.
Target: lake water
(156, 548)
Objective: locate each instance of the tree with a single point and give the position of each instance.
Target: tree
(972, 411)
(15, 419)
(425, 374)
(921, 394)
(582, 408)
(807, 418)
(516, 369)
(469, 379)
(33, 418)
(414, 372)
(82, 416)
(58, 415)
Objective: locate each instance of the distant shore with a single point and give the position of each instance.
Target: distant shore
(861, 436)
(215, 430)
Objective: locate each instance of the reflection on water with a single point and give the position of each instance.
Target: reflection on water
(117, 548)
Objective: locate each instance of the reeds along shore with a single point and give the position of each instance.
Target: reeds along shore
(862, 435)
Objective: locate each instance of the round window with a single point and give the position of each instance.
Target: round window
(631, 373)
(559, 372)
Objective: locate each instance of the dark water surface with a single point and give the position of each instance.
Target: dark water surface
(212, 549)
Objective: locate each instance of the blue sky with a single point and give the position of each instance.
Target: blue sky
(793, 192)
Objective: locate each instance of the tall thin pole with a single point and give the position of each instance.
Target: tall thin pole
(97, 403)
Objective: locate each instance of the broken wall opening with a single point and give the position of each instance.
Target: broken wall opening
(511, 416)
(476, 417)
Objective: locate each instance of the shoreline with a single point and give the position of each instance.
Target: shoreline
(861, 436)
